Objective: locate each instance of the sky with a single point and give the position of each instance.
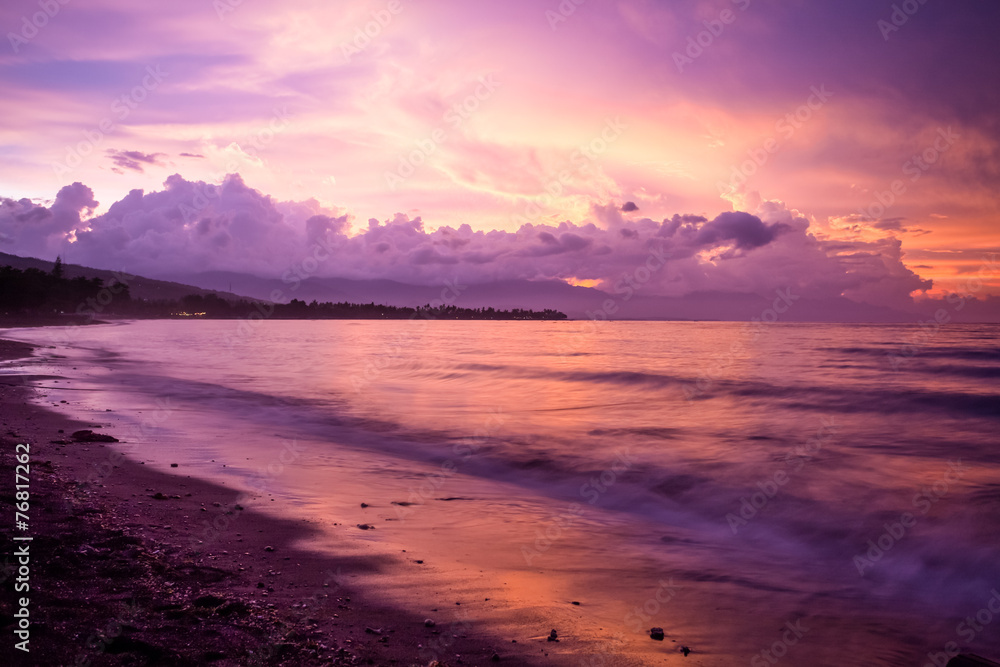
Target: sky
(845, 147)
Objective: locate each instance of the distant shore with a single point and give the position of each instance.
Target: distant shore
(56, 298)
(113, 580)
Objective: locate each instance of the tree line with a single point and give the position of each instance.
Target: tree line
(36, 292)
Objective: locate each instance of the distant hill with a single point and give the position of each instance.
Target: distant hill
(577, 302)
(31, 288)
(140, 287)
(503, 294)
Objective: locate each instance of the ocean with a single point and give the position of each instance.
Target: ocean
(802, 494)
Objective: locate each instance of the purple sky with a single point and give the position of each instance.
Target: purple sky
(511, 140)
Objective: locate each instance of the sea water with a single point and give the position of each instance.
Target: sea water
(794, 493)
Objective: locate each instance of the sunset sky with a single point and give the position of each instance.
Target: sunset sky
(506, 114)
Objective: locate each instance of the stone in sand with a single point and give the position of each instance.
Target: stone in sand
(208, 601)
(656, 633)
(87, 435)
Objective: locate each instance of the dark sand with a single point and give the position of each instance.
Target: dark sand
(114, 579)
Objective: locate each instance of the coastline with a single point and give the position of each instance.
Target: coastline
(114, 582)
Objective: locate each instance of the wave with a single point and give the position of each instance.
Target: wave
(849, 399)
(909, 350)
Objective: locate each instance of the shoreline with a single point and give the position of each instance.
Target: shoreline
(114, 582)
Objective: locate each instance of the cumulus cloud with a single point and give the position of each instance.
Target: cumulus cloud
(745, 230)
(192, 226)
(629, 207)
(31, 229)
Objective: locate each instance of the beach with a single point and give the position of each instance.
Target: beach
(114, 582)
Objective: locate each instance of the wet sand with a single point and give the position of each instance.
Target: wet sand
(115, 579)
